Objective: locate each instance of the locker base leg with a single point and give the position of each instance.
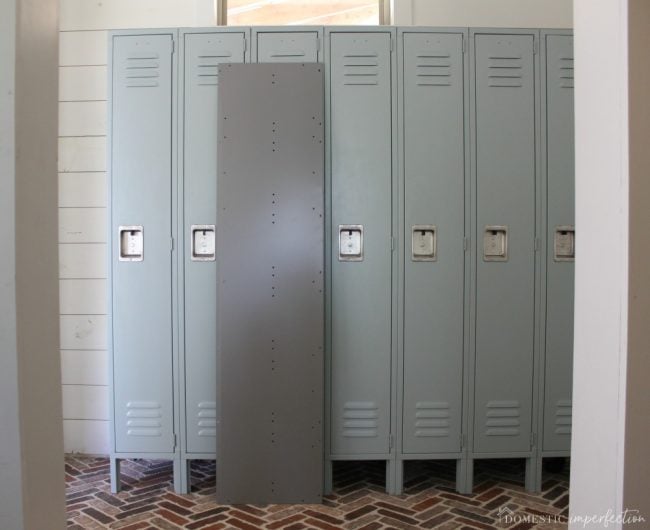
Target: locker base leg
(463, 480)
(533, 481)
(392, 474)
(398, 488)
(182, 483)
(116, 483)
(328, 477)
(468, 482)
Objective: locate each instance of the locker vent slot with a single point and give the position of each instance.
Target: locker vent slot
(361, 69)
(505, 71)
(503, 418)
(206, 69)
(431, 419)
(288, 53)
(563, 417)
(360, 419)
(433, 69)
(143, 418)
(141, 70)
(565, 70)
(207, 419)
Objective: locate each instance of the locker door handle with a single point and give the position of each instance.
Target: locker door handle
(495, 243)
(131, 243)
(202, 243)
(564, 248)
(424, 243)
(350, 242)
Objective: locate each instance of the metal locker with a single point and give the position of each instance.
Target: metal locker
(271, 281)
(505, 187)
(142, 228)
(202, 54)
(284, 45)
(434, 230)
(560, 240)
(361, 165)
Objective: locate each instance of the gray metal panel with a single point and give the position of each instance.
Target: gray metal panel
(141, 194)
(560, 212)
(361, 180)
(434, 175)
(504, 77)
(271, 303)
(203, 53)
(287, 46)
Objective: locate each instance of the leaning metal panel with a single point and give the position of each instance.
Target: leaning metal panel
(270, 283)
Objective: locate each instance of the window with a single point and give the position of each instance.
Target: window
(303, 12)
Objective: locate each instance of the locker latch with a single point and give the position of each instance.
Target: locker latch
(202, 238)
(131, 241)
(564, 243)
(423, 243)
(495, 243)
(350, 242)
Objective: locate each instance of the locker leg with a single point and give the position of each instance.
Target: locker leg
(533, 474)
(399, 477)
(116, 484)
(328, 477)
(463, 482)
(468, 486)
(391, 476)
(182, 475)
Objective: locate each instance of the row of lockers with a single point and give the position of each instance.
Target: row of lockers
(449, 240)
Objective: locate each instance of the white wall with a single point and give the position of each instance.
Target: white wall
(601, 256)
(82, 199)
(485, 13)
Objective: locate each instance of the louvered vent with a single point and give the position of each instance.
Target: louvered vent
(206, 68)
(143, 418)
(431, 419)
(360, 419)
(502, 418)
(563, 417)
(207, 419)
(505, 71)
(565, 69)
(361, 69)
(142, 70)
(433, 69)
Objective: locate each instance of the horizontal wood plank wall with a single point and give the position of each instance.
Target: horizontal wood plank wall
(83, 199)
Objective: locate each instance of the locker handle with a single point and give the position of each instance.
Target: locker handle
(202, 243)
(131, 243)
(564, 243)
(350, 242)
(495, 243)
(424, 243)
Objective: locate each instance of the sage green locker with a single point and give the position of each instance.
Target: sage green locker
(287, 45)
(505, 170)
(203, 52)
(141, 181)
(360, 136)
(434, 230)
(560, 251)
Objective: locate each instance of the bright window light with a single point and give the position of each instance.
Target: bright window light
(302, 12)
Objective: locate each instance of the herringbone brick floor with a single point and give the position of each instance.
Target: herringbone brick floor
(358, 502)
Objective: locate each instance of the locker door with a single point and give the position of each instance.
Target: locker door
(559, 268)
(141, 180)
(505, 193)
(434, 175)
(203, 54)
(287, 47)
(360, 140)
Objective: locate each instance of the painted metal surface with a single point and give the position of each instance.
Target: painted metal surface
(270, 283)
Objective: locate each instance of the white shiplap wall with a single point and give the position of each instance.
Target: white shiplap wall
(83, 199)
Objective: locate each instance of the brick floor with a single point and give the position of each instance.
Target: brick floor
(358, 502)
